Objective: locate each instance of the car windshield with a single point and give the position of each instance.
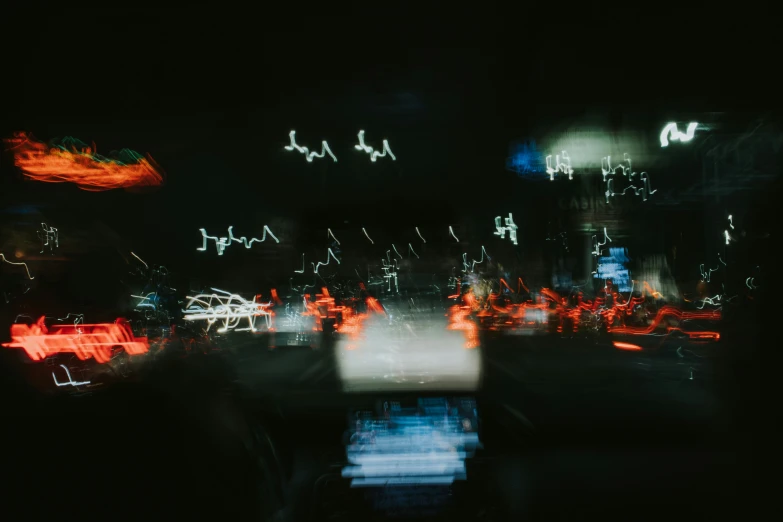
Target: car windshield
(311, 268)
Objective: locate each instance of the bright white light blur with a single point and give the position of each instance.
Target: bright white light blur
(420, 354)
(670, 132)
(230, 309)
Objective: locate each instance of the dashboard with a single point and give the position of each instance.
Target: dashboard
(188, 439)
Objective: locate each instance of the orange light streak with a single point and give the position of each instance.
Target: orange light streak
(670, 311)
(459, 320)
(627, 346)
(353, 322)
(496, 313)
(40, 162)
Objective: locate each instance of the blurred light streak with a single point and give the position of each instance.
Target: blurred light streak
(390, 272)
(714, 301)
(410, 249)
(726, 234)
(419, 233)
(509, 227)
(367, 236)
(329, 233)
(374, 154)
(308, 154)
(221, 243)
(329, 255)
(425, 445)
(627, 171)
(2, 257)
(78, 318)
(607, 168)
(705, 276)
(563, 166)
(627, 346)
(460, 320)
(451, 232)
(50, 237)
(352, 322)
(300, 289)
(85, 340)
(672, 312)
(597, 244)
(651, 290)
(303, 266)
(474, 261)
(70, 381)
(228, 308)
(77, 163)
(142, 303)
(140, 259)
(670, 132)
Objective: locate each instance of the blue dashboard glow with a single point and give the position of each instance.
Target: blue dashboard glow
(614, 267)
(425, 445)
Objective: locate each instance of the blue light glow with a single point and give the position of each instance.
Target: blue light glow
(525, 159)
(21, 209)
(614, 267)
(427, 444)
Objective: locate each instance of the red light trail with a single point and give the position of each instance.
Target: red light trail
(78, 164)
(84, 340)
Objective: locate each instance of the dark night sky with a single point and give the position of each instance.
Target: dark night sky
(212, 96)
(206, 84)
